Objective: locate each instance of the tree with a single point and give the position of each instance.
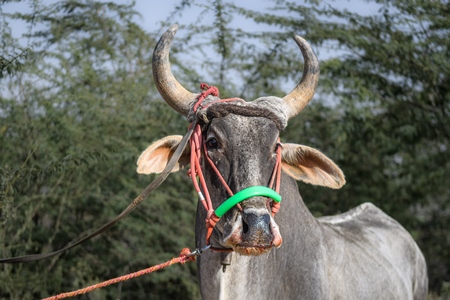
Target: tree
(73, 122)
(81, 109)
(11, 52)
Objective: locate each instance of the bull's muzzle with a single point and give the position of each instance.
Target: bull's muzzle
(254, 232)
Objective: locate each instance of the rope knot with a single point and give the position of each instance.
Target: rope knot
(207, 91)
(185, 253)
(211, 218)
(275, 208)
(210, 90)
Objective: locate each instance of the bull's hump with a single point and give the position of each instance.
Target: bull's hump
(366, 211)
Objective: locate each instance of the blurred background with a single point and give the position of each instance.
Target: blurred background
(78, 106)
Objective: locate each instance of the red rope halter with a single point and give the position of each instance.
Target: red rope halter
(197, 143)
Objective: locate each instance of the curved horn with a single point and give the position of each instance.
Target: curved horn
(304, 91)
(172, 92)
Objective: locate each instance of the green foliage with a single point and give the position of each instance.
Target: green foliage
(11, 54)
(79, 106)
(8, 65)
(73, 122)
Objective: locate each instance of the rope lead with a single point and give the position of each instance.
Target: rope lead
(185, 256)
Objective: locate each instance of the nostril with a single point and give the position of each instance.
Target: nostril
(244, 227)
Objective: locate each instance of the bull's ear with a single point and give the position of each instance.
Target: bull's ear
(311, 166)
(155, 158)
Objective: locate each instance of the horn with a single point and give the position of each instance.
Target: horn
(304, 91)
(172, 92)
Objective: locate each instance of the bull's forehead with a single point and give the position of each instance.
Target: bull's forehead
(241, 131)
(271, 108)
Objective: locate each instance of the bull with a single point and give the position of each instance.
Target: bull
(289, 254)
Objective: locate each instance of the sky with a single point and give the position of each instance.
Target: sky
(152, 15)
(154, 12)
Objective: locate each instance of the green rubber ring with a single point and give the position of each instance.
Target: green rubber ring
(249, 192)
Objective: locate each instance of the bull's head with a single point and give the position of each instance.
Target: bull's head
(241, 139)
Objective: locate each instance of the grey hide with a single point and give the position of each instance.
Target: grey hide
(361, 254)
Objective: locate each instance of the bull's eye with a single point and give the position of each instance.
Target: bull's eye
(277, 145)
(212, 144)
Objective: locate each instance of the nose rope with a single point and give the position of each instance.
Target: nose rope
(195, 171)
(276, 177)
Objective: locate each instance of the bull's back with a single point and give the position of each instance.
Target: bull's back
(371, 256)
